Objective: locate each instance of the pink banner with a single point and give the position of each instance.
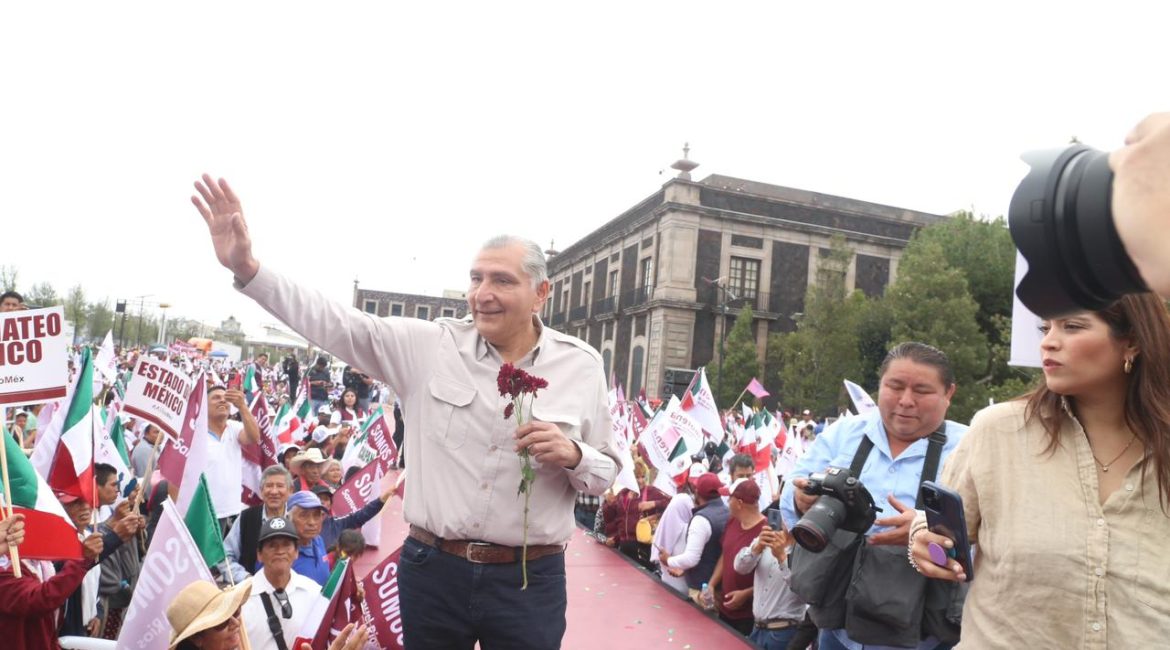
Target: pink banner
(381, 606)
(172, 458)
(171, 563)
(359, 491)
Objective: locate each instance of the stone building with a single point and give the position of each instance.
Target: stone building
(648, 288)
(452, 304)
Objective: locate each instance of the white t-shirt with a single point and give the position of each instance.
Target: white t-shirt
(225, 462)
(302, 592)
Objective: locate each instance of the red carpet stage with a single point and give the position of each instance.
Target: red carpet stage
(613, 604)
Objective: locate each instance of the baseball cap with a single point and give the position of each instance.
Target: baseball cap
(746, 490)
(321, 489)
(304, 499)
(708, 486)
(325, 409)
(65, 497)
(276, 527)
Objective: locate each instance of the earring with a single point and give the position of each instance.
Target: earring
(1128, 365)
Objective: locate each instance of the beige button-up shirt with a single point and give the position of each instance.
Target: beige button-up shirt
(1054, 568)
(463, 471)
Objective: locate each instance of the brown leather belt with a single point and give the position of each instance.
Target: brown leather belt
(482, 552)
(777, 624)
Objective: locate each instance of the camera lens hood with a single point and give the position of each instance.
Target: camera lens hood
(1062, 223)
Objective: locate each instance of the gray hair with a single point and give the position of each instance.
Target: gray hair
(277, 470)
(534, 263)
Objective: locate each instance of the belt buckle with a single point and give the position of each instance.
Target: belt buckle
(468, 552)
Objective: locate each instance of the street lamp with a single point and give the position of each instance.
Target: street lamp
(162, 332)
(725, 293)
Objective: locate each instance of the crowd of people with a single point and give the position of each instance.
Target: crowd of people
(1065, 492)
(281, 543)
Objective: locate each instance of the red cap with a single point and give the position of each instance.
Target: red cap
(64, 497)
(708, 486)
(746, 490)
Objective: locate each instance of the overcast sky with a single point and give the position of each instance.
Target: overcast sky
(384, 141)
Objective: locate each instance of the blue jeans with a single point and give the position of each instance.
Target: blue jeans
(773, 639)
(316, 404)
(449, 603)
(827, 641)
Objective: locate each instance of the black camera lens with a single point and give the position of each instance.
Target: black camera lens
(1061, 220)
(818, 525)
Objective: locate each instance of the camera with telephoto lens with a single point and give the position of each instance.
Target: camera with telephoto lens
(844, 504)
(1061, 219)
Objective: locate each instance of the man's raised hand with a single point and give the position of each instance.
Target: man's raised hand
(225, 221)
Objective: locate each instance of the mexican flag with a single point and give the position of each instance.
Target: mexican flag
(290, 422)
(49, 534)
(71, 471)
(251, 386)
(332, 610)
(699, 403)
(111, 450)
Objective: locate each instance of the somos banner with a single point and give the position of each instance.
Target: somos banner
(381, 607)
(34, 356)
(158, 393)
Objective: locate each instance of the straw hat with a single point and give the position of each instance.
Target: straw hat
(201, 606)
(312, 455)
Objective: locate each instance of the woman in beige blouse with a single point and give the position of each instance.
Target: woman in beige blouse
(1066, 493)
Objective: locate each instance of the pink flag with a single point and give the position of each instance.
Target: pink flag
(172, 456)
(756, 388)
(382, 606)
(172, 562)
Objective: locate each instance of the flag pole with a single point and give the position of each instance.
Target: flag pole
(13, 552)
(736, 403)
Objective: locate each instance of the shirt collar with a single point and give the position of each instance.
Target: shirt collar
(483, 348)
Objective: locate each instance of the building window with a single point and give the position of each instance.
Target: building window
(606, 358)
(396, 309)
(565, 300)
(422, 311)
(636, 369)
(370, 307)
(745, 277)
(613, 283)
(647, 273)
(448, 312)
(585, 293)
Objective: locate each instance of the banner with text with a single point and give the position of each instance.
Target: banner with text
(381, 606)
(34, 356)
(158, 393)
(171, 563)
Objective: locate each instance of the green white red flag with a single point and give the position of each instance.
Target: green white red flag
(699, 403)
(71, 471)
(334, 608)
(49, 533)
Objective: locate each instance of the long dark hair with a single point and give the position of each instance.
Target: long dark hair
(1143, 320)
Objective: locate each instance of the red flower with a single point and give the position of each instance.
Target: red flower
(508, 410)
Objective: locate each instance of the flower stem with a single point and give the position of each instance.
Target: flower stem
(524, 549)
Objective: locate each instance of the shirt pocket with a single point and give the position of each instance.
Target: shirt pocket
(1153, 568)
(449, 416)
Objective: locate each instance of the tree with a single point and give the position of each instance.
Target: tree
(42, 295)
(100, 319)
(930, 303)
(76, 310)
(8, 276)
(808, 364)
(740, 362)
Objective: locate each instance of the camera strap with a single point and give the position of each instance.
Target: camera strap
(273, 622)
(929, 467)
(933, 455)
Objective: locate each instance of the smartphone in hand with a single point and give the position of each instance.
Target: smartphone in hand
(944, 516)
(775, 521)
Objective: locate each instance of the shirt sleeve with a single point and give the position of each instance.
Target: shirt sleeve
(599, 464)
(745, 560)
(698, 534)
(815, 459)
(231, 543)
(27, 597)
(391, 352)
(958, 474)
